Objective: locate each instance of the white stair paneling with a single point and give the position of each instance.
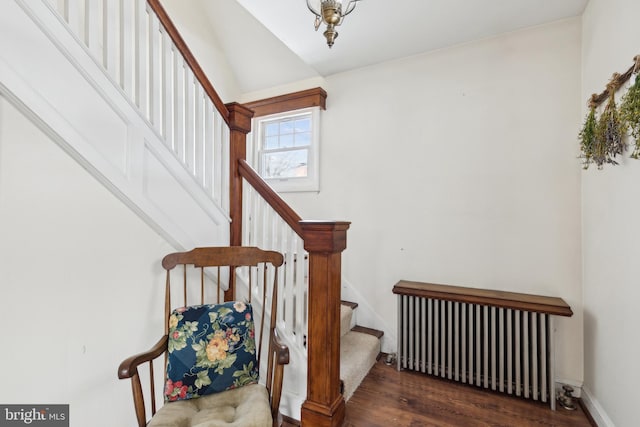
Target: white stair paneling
(53, 78)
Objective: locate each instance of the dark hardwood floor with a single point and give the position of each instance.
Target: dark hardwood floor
(388, 398)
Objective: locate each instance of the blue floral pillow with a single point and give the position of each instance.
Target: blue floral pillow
(211, 349)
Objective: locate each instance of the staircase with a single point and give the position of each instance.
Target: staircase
(114, 84)
(359, 349)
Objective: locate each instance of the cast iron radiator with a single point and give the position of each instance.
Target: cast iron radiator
(496, 340)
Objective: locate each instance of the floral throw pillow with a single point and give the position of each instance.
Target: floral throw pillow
(211, 349)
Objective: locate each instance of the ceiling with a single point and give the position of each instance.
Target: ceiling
(283, 45)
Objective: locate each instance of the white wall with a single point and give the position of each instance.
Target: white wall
(228, 42)
(459, 167)
(611, 232)
(82, 283)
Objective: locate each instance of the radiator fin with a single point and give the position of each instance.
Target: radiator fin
(495, 348)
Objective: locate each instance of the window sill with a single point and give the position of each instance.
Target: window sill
(294, 185)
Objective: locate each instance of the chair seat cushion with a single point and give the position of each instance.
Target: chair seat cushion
(247, 406)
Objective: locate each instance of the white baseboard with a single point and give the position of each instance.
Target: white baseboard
(595, 409)
(291, 404)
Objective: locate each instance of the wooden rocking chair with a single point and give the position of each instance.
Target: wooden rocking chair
(223, 332)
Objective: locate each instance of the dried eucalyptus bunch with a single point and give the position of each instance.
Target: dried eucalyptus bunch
(610, 130)
(587, 137)
(630, 114)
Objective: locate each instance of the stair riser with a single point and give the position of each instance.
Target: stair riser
(346, 319)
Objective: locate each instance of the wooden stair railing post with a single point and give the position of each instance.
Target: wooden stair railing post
(239, 126)
(324, 241)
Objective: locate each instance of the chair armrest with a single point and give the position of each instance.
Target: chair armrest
(278, 357)
(281, 350)
(129, 367)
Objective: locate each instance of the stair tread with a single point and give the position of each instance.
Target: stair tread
(350, 304)
(364, 330)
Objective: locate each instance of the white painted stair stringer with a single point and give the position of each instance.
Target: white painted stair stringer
(52, 78)
(367, 316)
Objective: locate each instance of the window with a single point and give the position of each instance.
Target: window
(286, 149)
(286, 139)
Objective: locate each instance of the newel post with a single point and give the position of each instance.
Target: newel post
(239, 126)
(325, 241)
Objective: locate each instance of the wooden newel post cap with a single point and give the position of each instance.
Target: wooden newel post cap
(325, 236)
(239, 117)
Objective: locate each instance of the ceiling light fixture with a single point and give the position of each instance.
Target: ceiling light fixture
(331, 13)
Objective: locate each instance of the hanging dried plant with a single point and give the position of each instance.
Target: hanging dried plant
(610, 130)
(587, 137)
(630, 110)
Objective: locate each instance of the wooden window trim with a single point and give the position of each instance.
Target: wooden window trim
(315, 97)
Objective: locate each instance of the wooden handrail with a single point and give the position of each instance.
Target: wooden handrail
(182, 47)
(324, 241)
(270, 196)
(513, 300)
